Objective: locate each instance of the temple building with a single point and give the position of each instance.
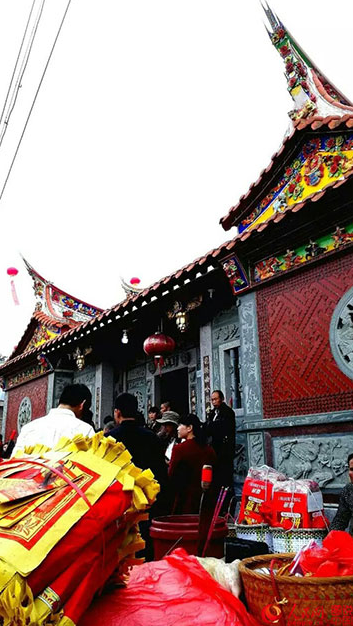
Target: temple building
(267, 316)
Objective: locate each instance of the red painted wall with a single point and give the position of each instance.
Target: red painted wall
(299, 373)
(36, 391)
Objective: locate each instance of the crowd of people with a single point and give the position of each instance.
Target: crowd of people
(175, 447)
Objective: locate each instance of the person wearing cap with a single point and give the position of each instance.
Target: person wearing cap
(168, 432)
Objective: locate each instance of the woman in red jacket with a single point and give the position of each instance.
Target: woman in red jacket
(186, 464)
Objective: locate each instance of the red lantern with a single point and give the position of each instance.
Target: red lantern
(12, 272)
(159, 346)
(135, 281)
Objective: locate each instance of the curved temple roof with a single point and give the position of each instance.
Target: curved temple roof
(58, 304)
(55, 313)
(317, 104)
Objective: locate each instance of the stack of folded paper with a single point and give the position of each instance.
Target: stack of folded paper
(68, 521)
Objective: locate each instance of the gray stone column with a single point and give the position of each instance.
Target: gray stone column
(206, 368)
(50, 392)
(249, 358)
(105, 395)
(4, 416)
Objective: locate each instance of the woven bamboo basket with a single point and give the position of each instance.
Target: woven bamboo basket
(310, 601)
(255, 532)
(295, 539)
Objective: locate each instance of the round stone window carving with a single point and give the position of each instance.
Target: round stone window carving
(24, 413)
(341, 334)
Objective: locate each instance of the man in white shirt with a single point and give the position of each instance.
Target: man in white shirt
(65, 421)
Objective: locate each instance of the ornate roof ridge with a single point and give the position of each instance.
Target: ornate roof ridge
(35, 275)
(312, 92)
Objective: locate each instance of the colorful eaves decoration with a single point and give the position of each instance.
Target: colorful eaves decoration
(312, 249)
(235, 274)
(321, 160)
(42, 334)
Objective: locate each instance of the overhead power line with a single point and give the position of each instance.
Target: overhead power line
(34, 99)
(20, 67)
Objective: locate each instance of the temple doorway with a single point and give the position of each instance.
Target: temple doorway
(173, 386)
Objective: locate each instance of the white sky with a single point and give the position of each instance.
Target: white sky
(153, 118)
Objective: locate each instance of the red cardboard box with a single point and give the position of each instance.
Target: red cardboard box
(296, 507)
(255, 493)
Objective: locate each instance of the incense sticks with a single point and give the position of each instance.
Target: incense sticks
(221, 497)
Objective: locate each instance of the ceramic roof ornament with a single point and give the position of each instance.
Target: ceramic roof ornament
(130, 288)
(312, 93)
(58, 304)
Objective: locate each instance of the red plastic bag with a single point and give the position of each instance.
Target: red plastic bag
(335, 558)
(175, 590)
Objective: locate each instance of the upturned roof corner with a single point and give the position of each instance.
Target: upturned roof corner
(312, 92)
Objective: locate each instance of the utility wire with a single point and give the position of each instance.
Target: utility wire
(34, 99)
(17, 60)
(15, 85)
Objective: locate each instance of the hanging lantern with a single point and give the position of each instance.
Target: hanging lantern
(182, 320)
(79, 359)
(12, 272)
(135, 281)
(159, 346)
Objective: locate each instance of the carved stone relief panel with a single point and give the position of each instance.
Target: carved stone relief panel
(149, 397)
(225, 326)
(341, 334)
(207, 383)
(86, 377)
(24, 413)
(226, 333)
(241, 464)
(321, 458)
(136, 373)
(61, 380)
(256, 449)
(138, 388)
(249, 357)
(216, 369)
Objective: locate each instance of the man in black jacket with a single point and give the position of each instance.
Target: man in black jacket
(220, 429)
(143, 445)
(147, 453)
